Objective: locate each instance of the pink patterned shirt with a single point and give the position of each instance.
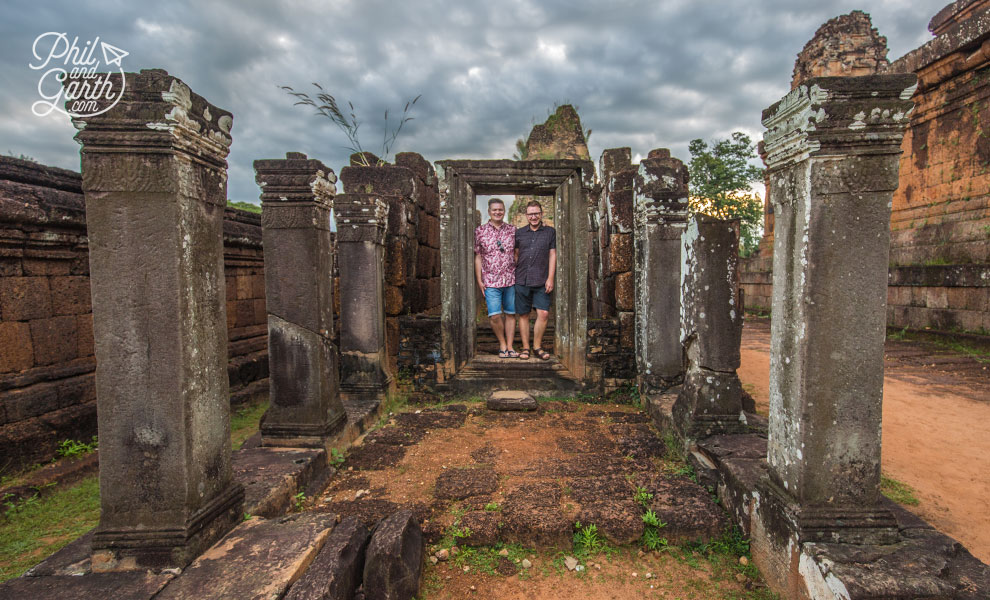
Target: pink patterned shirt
(497, 250)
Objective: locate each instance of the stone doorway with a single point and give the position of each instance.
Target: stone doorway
(568, 182)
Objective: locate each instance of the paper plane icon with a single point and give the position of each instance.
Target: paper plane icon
(113, 51)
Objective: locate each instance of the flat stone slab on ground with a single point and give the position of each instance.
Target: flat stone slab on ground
(272, 476)
(337, 570)
(394, 560)
(259, 559)
(511, 400)
(72, 559)
(458, 484)
(133, 585)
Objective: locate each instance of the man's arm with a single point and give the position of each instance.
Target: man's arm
(477, 272)
(553, 270)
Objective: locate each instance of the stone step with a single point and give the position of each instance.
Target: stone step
(486, 373)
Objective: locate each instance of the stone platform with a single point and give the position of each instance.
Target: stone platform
(924, 563)
(523, 478)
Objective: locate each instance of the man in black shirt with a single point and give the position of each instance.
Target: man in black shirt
(536, 264)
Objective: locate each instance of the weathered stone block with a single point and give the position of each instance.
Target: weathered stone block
(11, 267)
(54, 340)
(425, 262)
(18, 353)
(24, 298)
(380, 180)
(620, 203)
(625, 292)
(415, 163)
(41, 267)
(337, 570)
(394, 559)
(70, 295)
(393, 300)
(627, 330)
(396, 249)
(510, 400)
(245, 287)
(32, 401)
(259, 559)
(621, 253)
(136, 586)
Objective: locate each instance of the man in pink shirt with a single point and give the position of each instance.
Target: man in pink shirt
(494, 269)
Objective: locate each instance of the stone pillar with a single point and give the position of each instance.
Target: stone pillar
(660, 215)
(833, 146)
(710, 400)
(305, 409)
(361, 223)
(155, 183)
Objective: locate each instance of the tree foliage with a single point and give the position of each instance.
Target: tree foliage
(721, 174)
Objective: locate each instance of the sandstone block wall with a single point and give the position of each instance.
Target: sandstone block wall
(940, 223)
(47, 366)
(412, 238)
(611, 282)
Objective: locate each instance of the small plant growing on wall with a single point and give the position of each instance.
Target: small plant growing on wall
(327, 105)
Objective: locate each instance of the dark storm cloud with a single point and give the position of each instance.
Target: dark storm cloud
(644, 74)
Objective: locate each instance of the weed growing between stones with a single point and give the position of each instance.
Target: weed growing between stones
(244, 422)
(898, 491)
(336, 457)
(75, 449)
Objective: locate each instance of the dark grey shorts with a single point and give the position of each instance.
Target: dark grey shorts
(530, 296)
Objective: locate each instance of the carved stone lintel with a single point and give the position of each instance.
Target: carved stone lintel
(361, 218)
(838, 115)
(158, 113)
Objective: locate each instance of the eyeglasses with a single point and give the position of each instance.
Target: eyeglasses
(499, 244)
(533, 214)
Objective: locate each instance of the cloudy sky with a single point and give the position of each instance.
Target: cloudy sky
(644, 74)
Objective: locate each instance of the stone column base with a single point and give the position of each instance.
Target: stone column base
(302, 435)
(136, 549)
(843, 524)
(657, 384)
(709, 403)
(780, 528)
(366, 392)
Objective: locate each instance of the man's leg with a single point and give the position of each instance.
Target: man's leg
(524, 330)
(498, 326)
(509, 310)
(542, 317)
(510, 330)
(523, 306)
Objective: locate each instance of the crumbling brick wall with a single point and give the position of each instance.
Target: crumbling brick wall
(412, 242)
(47, 362)
(940, 224)
(846, 46)
(940, 221)
(611, 282)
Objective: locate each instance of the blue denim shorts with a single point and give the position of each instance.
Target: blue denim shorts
(500, 300)
(529, 296)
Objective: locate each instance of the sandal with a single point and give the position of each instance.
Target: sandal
(503, 354)
(524, 355)
(510, 353)
(543, 354)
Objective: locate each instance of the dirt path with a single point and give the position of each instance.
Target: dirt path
(935, 415)
(501, 496)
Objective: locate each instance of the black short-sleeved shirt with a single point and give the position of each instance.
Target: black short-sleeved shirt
(533, 266)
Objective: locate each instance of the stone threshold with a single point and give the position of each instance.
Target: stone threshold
(924, 563)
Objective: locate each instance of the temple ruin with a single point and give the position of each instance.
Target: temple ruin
(136, 305)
